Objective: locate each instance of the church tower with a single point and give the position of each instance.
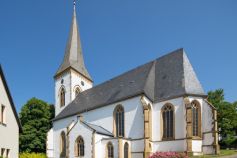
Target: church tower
(72, 76)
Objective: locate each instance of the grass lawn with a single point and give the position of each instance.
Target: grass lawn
(223, 153)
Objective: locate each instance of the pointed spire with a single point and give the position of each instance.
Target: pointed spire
(73, 57)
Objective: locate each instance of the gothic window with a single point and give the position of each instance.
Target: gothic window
(119, 121)
(110, 150)
(126, 149)
(77, 91)
(62, 97)
(79, 147)
(168, 121)
(196, 118)
(63, 145)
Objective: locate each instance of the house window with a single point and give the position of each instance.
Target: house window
(168, 121)
(79, 147)
(3, 119)
(119, 121)
(196, 119)
(62, 97)
(126, 148)
(77, 91)
(2, 151)
(63, 145)
(110, 150)
(7, 153)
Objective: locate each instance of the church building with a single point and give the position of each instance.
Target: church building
(158, 106)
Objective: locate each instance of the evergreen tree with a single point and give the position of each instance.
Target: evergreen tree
(35, 118)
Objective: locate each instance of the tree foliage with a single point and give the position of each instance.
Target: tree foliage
(35, 118)
(226, 116)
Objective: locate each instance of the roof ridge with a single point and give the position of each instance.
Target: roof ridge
(147, 77)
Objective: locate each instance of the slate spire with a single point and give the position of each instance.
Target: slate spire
(73, 57)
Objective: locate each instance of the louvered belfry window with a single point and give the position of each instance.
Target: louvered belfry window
(119, 117)
(62, 97)
(77, 91)
(168, 121)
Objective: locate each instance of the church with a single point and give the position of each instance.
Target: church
(158, 106)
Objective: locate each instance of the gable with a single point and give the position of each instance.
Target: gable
(6, 98)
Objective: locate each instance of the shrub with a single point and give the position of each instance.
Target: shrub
(32, 155)
(168, 155)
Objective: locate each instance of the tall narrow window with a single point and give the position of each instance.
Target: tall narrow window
(63, 145)
(62, 97)
(77, 91)
(8, 153)
(2, 151)
(79, 147)
(119, 121)
(196, 118)
(168, 121)
(110, 150)
(126, 149)
(2, 119)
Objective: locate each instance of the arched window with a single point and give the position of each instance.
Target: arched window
(79, 147)
(168, 121)
(119, 121)
(77, 91)
(196, 118)
(62, 144)
(110, 150)
(62, 97)
(126, 150)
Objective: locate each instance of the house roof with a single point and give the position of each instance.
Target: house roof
(98, 129)
(167, 77)
(73, 57)
(10, 98)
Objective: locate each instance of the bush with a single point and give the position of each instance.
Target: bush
(168, 155)
(32, 155)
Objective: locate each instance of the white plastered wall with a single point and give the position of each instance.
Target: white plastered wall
(9, 133)
(71, 80)
(80, 130)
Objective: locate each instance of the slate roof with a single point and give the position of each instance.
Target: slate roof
(73, 54)
(98, 129)
(167, 77)
(10, 98)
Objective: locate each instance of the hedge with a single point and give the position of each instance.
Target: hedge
(32, 155)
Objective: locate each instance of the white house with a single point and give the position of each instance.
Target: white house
(9, 122)
(158, 106)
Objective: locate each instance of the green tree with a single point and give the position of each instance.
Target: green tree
(35, 118)
(226, 116)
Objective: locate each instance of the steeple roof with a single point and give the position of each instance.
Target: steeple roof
(73, 57)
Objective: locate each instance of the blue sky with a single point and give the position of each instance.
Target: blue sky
(117, 35)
